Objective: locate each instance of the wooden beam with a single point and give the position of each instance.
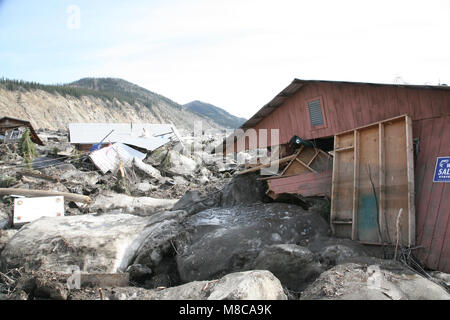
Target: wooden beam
(305, 165)
(296, 155)
(344, 149)
(38, 175)
(355, 184)
(314, 157)
(410, 175)
(280, 161)
(382, 179)
(41, 193)
(333, 187)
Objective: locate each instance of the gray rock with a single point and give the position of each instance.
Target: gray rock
(293, 265)
(144, 186)
(225, 240)
(388, 280)
(142, 206)
(250, 285)
(5, 236)
(95, 244)
(441, 278)
(244, 189)
(332, 251)
(139, 273)
(5, 220)
(194, 202)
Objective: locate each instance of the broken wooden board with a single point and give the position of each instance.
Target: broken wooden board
(307, 174)
(373, 179)
(307, 160)
(307, 184)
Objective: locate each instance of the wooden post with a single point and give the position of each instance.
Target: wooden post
(382, 180)
(410, 174)
(333, 185)
(355, 184)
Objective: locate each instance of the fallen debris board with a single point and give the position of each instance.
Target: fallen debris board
(307, 184)
(308, 174)
(30, 209)
(109, 158)
(39, 175)
(373, 178)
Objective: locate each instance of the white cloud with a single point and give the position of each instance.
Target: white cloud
(239, 54)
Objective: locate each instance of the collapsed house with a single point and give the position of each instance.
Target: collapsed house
(388, 177)
(142, 135)
(11, 130)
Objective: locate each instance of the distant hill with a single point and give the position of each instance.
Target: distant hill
(216, 114)
(92, 100)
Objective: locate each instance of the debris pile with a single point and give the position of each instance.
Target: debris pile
(170, 224)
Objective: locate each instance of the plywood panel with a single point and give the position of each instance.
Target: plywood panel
(396, 182)
(375, 177)
(367, 215)
(343, 203)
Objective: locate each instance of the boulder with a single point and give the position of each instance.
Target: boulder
(386, 280)
(293, 265)
(80, 177)
(5, 236)
(5, 220)
(93, 243)
(157, 246)
(250, 285)
(139, 273)
(141, 206)
(244, 189)
(225, 240)
(146, 169)
(440, 278)
(194, 202)
(144, 187)
(180, 164)
(332, 251)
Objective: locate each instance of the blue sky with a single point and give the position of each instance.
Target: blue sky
(234, 54)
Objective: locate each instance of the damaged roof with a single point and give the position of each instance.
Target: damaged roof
(13, 123)
(143, 135)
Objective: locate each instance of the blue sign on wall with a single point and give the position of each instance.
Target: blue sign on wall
(442, 171)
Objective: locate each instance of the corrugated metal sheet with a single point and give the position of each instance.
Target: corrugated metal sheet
(108, 158)
(89, 133)
(147, 136)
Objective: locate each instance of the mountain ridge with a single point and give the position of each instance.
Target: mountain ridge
(93, 100)
(214, 113)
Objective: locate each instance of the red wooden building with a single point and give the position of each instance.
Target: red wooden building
(313, 109)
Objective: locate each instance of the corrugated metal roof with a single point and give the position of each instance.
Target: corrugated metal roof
(143, 135)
